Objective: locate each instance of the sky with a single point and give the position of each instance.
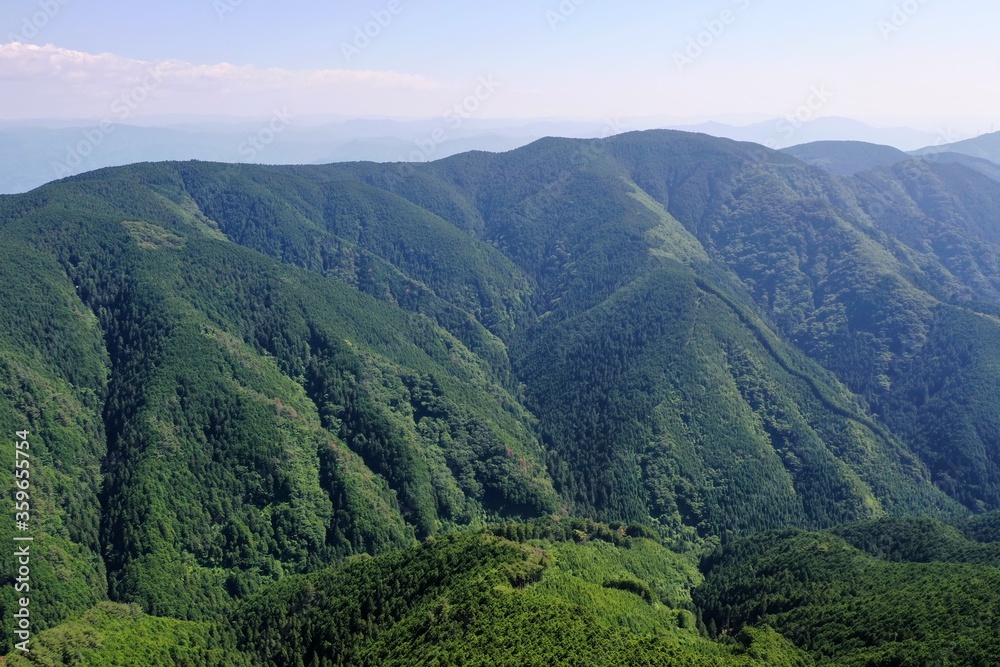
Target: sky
(889, 62)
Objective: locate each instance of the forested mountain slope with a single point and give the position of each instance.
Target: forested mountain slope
(985, 146)
(891, 593)
(232, 374)
(846, 158)
(473, 599)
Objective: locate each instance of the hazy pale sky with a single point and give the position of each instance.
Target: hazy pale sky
(894, 60)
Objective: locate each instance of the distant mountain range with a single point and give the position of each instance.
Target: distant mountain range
(32, 154)
(985, 147)
(785, 132)
(847, 158)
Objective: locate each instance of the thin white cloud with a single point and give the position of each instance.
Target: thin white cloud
(42, 78)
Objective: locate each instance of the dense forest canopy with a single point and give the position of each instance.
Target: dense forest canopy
(253, 392)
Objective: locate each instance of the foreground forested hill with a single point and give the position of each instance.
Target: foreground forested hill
(579, 593)
(233, 375)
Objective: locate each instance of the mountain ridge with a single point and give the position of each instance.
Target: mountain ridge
(258, 371)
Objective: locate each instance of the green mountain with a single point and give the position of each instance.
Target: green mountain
(575, 592)
(983, 166)
(849, 158)
(472, 599)
(846, 158)
(236, 377)
(892, 593)
(985, 146)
